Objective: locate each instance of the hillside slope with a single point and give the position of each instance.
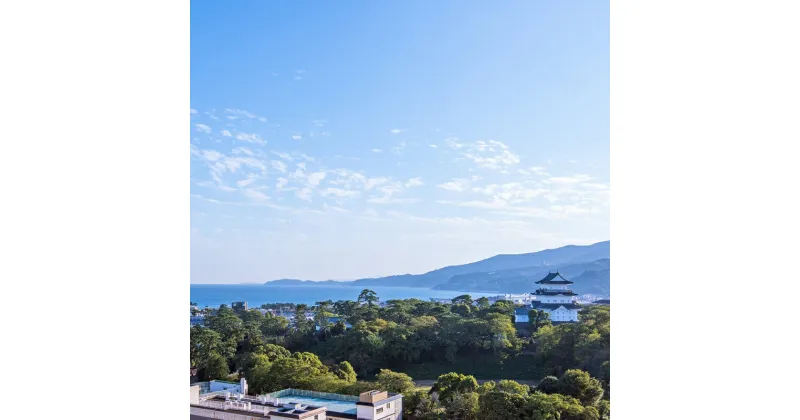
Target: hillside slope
(587, 265)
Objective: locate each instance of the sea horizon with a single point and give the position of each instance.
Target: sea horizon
(214, 295)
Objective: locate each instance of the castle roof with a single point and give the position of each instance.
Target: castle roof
(552, 306)
(542, 292)
(554, 278)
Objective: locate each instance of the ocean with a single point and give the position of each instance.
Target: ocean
(213, 295)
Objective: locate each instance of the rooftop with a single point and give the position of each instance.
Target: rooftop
(544, 292)
(333, 402)
(551, 306)
(287, 403)
(554, 278)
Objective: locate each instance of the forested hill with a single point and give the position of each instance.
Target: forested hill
(587, 265)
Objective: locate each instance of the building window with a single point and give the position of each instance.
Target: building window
(378, 411)
(388, 406)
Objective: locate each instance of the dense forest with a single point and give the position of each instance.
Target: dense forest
(373, 346)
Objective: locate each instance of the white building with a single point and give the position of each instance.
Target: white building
(555, 296)
(295, 404)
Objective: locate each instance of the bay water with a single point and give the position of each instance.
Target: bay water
(213, 295)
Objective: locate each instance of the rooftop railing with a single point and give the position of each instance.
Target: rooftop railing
(288, 393)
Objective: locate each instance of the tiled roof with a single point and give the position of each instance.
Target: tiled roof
(554, 278)
(555, 292)
(552, 306)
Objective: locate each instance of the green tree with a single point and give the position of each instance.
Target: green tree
(548, 385)
(555, 406)
(321, 315)
(604, 409)
(227, 324)
(512, 387)
(461, 309)
(344, 371)
(252, 316)
(394, 381)
(368, 296)
(487, 386)
(300, 370)
(450, 383)
(418, 405)
(347, 309)
(462, 406)
(274, 326)
(203, 342)
(463, 299)
(483, 302)
(217, 367)
(538, 319)
(258, 374)
(578, 384)
(498, 405)
(274, 352)
(357, 388)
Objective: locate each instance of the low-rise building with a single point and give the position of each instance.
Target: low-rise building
(295, 404)
(521, 315)
(556, 297)
(333, 320)
(211, 387)
(197, 320)
(441, 300)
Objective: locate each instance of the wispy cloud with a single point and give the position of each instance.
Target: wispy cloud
(304, 194)
(251, 138)
(297, 137)
(457, 185)
(339, 192)
(391, 200)
(453, 143)
(255, 194)
(239, 113)
(212, 155)
(491, 155)
(414, 182)
(398, 130)
(203, 128)
(245, 182)
(282, 155)
(315, 178)
(234, 114)
(319, 123)
(377, 151)
(225, 133)
(243, 151)
(192, 111)
(279, 166)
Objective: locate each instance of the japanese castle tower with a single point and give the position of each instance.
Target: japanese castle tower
(555, 297)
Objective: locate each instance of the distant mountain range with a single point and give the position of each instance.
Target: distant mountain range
(589, 266)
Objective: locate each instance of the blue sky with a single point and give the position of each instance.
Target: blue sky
(339, 140)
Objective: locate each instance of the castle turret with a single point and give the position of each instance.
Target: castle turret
(556, 297)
